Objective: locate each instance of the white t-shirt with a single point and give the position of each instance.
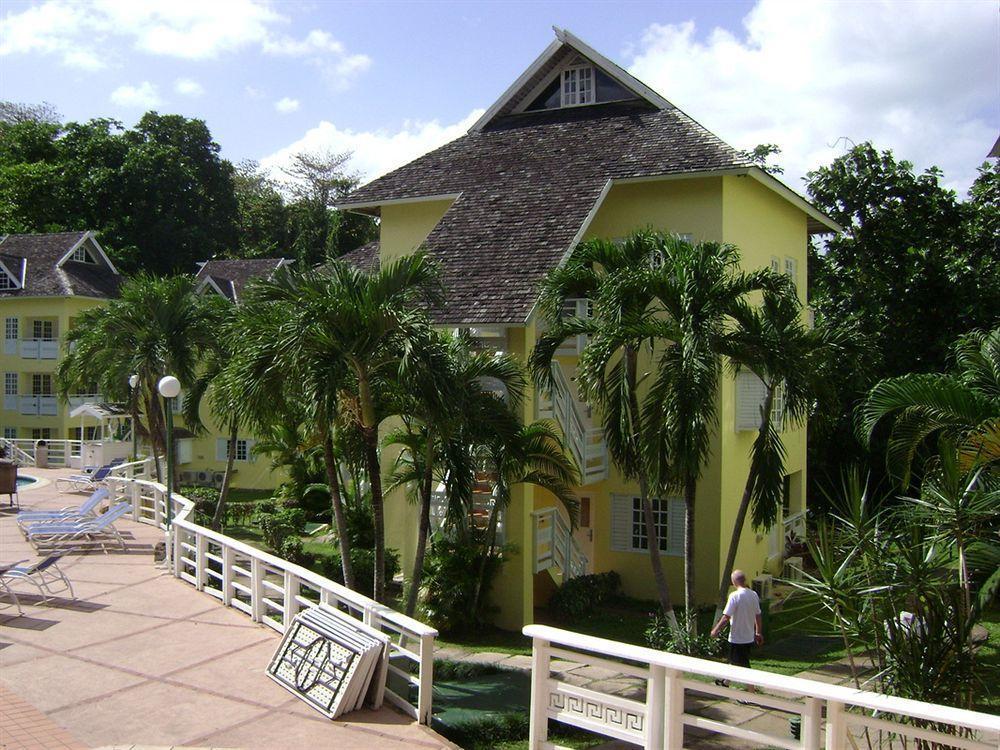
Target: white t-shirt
(742, 607)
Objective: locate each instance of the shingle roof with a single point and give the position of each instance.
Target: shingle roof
(44, 277)
(364, 257)
(527, 184)
(232, 276)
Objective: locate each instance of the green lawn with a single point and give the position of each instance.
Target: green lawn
(988, 696)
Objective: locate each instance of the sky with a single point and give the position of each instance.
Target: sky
(392, 80)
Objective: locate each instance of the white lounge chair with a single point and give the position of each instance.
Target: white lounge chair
(99, 529)
(4, 568)
(70, 513)
(84, 482)
(43, 574)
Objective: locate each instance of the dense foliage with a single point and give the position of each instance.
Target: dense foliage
(580, 596)
(160, 195)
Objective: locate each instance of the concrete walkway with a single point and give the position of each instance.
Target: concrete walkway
(141, 658)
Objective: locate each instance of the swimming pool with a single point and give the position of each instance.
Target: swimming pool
(23, 481)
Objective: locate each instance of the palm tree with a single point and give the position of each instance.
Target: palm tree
(443, 404)
(346, 334)
(157, 326)
(532, 454)
(612, 276)
(697, 287)
(771, 342)
(963, 406)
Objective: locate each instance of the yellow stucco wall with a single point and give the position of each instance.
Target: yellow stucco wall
(405, 226)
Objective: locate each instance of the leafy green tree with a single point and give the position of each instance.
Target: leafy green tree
(156, 327)
(261, 213)
(963, 406)
(914, 269)
(771, 341)
(443, 405)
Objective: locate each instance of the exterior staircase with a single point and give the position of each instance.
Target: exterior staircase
(555, 548)
(15, 452)
(585, 441)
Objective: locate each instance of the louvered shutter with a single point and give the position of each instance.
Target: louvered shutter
(791, 270)
(621, 523)
(220, 449)
(749, 399)
(250, 454)
(675, 526)
(775, 264)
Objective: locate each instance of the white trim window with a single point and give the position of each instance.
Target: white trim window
(628, 524)
(792, 271)
(750, 395)
(41, 384)
(7, 279)
(81, 255)
(43, 330)
(578, 86)
(11, 332)
(10, 433)
(10, 383)
(244, 449)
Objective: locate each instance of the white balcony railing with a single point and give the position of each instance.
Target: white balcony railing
(61, 453)
(658, 719)
(39, 348)
(38, 405)
(585, 442)
(272, 591)
(555, 546)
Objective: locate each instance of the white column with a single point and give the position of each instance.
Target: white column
(426, 690)
(538, 722)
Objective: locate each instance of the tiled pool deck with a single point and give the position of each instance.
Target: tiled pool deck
(141, 658)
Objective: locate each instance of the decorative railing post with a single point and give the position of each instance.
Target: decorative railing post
(425, 692)
(134, 497)
(673, 715)
(228, 560)
(201, 548)
(836, 727)
(538, 722)
(256, 590)
(812, 718)
(291, 603)
(655, 706)
(157, 513)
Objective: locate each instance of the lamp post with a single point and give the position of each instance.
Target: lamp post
(133, 383)
(169, 387)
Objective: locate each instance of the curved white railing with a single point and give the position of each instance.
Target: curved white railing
(658, 720)
(272, 590)
(555, 546)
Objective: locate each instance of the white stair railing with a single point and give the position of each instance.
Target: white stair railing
(555, 546)
(272, 591)
(15, 451)
(832, 716)
(584, 441)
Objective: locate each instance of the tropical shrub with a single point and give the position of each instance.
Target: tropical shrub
(580, 596)
(363, 562)
(291, 550)
(450, 583)
(661, 634)
(277, 523)
(205, 499)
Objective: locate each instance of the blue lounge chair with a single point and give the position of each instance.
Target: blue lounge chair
(99, 529)
(69, 513)
(43, 574)
(4, 568)
(84, 482)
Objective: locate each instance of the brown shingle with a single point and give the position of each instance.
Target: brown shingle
(232, 276)
(44, 278)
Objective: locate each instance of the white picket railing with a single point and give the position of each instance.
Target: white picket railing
(658, 720)
(555, 546)
(60, 452)
(272, 591)
(16, 452)
(795, 525)
(585, 442)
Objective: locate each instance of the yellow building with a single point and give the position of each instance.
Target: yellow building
(46, 281)
(578, 148)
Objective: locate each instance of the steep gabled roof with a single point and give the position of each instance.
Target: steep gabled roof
(44, 267)
(527, 183)
(364, 257)
(230, 277)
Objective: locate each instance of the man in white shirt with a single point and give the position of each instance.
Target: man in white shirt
(742, 614)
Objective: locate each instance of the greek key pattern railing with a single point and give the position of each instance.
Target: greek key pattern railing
(555, 546)
(272, 591)
(833, 717)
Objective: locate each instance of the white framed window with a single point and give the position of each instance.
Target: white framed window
(41, 433)
(792, 270)
(628, 524)
(7, 281)
(43, 329)
(10, 433)
(41, 384)
(11, 332)
(81, 255)
(578, 86)
(750, 395)
(10, 383)
(244, 449)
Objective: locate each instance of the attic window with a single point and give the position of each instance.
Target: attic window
(82, 256)
(7, 281)
(578, 85)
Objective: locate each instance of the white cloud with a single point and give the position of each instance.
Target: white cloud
(253, 93)
(143, 96)
(189, 29)
(188, 87)
(917, 77)
(287, 105)
(375, 152)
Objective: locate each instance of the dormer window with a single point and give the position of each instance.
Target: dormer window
(7, 279)
(577, 86)
(82, 256)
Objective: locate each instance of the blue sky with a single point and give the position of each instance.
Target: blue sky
(390, 80)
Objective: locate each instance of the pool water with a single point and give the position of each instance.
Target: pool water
(25, 481)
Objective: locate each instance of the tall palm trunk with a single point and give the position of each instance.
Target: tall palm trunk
(154, 422)
(741, 513)
(662, 587)
(227, 477)
(501, 497)
(369, 436)
(333, 480)
(690, 491)
(423, 531)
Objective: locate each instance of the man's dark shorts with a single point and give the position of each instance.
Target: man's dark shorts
(739, 654)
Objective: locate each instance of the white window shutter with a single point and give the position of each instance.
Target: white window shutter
(250, 454)
(791, 270)
(749, 399)
(221, 449)
(675, 526)
(621, 523)
(775, 264)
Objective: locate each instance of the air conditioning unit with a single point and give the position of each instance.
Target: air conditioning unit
(763, 585)
(203, 477)
(189, 477)
(793, 569)
(218, 477)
